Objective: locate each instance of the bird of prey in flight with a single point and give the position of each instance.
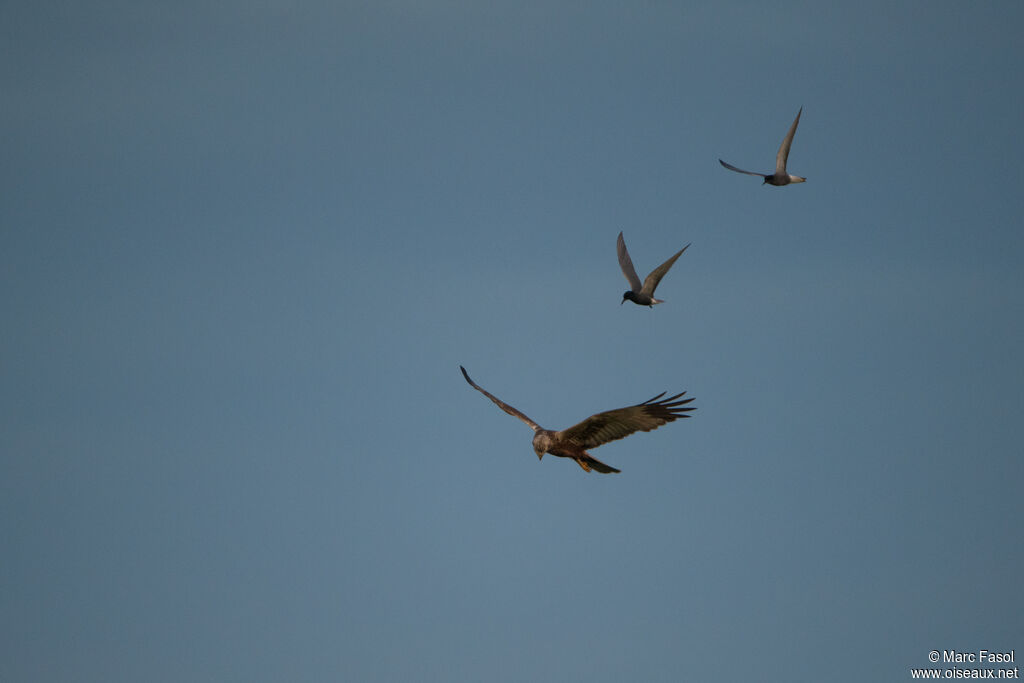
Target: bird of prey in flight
(596, 429)
(780, 177)
(642, 295)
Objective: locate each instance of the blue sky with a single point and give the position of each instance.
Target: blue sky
(244, 248)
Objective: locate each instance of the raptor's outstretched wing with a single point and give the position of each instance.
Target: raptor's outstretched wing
(616, 424)
(498, 402)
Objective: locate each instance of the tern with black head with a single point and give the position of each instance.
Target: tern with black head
(780, 177)
(642, 294)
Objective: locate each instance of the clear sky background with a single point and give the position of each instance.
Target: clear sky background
(245, 246)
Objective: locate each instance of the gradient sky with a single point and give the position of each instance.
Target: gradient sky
(245, 246)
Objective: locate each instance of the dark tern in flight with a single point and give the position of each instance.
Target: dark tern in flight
(642, 295)
(780, 177)
(596, 429)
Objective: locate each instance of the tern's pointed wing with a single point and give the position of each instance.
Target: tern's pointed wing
(501, 404)
(783, 155)
(655, 277)
(740, 170)
(616, 424)
(627, 265)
